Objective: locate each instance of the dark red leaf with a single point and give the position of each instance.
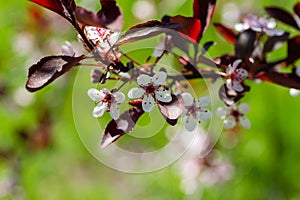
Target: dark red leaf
(60, 7)
(293, 49)
(53, 5)
(244, 44)
(189, 27)
(203, 10)
(297, 9)
(117, 128)
(226, 32)
(172, 110)
(283, 79)
(110, 16)
(145, 30)
(282, 16)
(272, 42)
(48, 69)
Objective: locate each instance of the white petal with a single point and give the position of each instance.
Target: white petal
(237, 86)
(99, 109)
(298, 71)
(190, 123)
(271, 23)
(274, 32)
(184, 112)
(119, 97)
(188, 99)
(105, 90)
(67, 49)
(241, 74)
(203, 101)
(236, 63)
(136, 93)
(114, 111)
(159, 78)
(239, 27)
(163, 96)
(245, 122)
(204, 115)
(256, 28)
(244, 108)
(229, 123)
(95, 94)
(221, 112)
(143, 80)
(148, 103)
(294, 92)
(113, 38)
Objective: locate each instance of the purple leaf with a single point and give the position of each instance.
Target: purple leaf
(172, 110)
(48, 69)
(293, 49)
(145, 30)
(273, 42)
(226, 32)
(53, 5)
(203, 10)
(282, 16)
(244, 44)
(117, 128)
(190, 27)
(110, 16)
(56, 6)
(283, 79)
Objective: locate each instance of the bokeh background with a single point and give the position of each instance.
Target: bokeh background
(42, 156)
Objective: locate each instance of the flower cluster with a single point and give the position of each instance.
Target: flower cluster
(259, 24)
(151, 90)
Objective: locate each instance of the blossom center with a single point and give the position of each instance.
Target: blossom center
(108, 98)
(150, 89)
(235, 114)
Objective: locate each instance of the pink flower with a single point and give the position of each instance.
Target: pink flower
(106, 101)
(234, 115)
(259, 24)
(103, 40)
(195, 111)
(236, 76)
(151, 89)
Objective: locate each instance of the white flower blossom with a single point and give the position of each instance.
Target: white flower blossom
(194, 110)
(106, 101)
(150, 89)
(67, 49)
(104, 39)
(234, 115)
(236, 76)
(259, 24)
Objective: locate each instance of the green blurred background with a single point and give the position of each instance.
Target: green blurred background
(42, 157)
